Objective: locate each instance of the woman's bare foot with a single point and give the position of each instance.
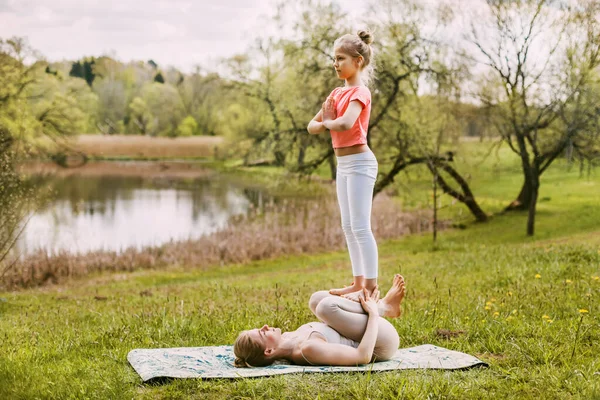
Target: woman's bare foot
(390, 304)
(354, 287)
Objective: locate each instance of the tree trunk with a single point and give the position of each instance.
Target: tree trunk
(521, 203)
(301, 154)
(531, 214)
(477, 212)
(465, 197)
(332, 167)
(279, 158)
(535, 187)
(523, 200)
(435, 208)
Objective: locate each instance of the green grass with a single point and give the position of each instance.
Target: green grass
(517, 299)
(72, 341)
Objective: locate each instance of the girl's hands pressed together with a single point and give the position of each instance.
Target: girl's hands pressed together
(369, 302)
(329, 110)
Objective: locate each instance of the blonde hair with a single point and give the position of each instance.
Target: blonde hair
(359, 45)
(249, 353)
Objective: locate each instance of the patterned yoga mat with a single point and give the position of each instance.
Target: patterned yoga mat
(217, 362)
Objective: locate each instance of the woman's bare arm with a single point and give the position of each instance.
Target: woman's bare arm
(320, 352)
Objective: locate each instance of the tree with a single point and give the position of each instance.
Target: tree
(290, 79)
(140, 116)
(15, 200)
(112, 104)
(159, 77)
(204, 97)
(85, 70)
(34, 104)
(165, 106)
(527, 97)
(300, 68)
(187, 127)
(31, 107)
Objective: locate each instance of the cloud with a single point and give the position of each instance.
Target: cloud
(177, 32)
(181, 33)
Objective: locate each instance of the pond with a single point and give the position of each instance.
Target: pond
(120, 205)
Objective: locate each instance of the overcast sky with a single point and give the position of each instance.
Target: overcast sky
(181, 33)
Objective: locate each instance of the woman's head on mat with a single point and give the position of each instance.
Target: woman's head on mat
(257, 347)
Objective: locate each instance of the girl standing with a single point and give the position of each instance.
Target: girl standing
(346, 114)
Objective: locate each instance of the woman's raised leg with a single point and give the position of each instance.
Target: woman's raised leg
(349, 319)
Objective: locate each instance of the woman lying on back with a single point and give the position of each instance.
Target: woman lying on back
(350, 333)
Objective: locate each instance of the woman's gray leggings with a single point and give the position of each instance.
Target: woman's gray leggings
(349, 319)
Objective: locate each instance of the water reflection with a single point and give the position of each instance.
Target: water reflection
(113, 213)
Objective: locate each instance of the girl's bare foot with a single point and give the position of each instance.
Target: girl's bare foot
(354, 287)
(390, 304)
(355, 296)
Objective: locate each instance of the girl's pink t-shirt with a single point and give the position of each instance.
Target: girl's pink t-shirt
(358, 133)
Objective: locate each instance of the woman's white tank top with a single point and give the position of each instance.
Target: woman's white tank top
(330, 334)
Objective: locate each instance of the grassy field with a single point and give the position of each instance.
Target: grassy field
(527, 306)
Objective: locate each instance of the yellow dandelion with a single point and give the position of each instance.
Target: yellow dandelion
(595, 277)
(568, 281)
(496, 314)
(487, 308)
(514, 311)
(549, 321)
(488, 303)
(509, 293)
(467, 318)
(537, 276)
(583, 311)
(545, 317)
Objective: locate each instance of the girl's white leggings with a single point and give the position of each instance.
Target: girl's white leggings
(355, 180)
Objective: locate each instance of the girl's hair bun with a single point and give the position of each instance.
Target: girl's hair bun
(365, 36)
